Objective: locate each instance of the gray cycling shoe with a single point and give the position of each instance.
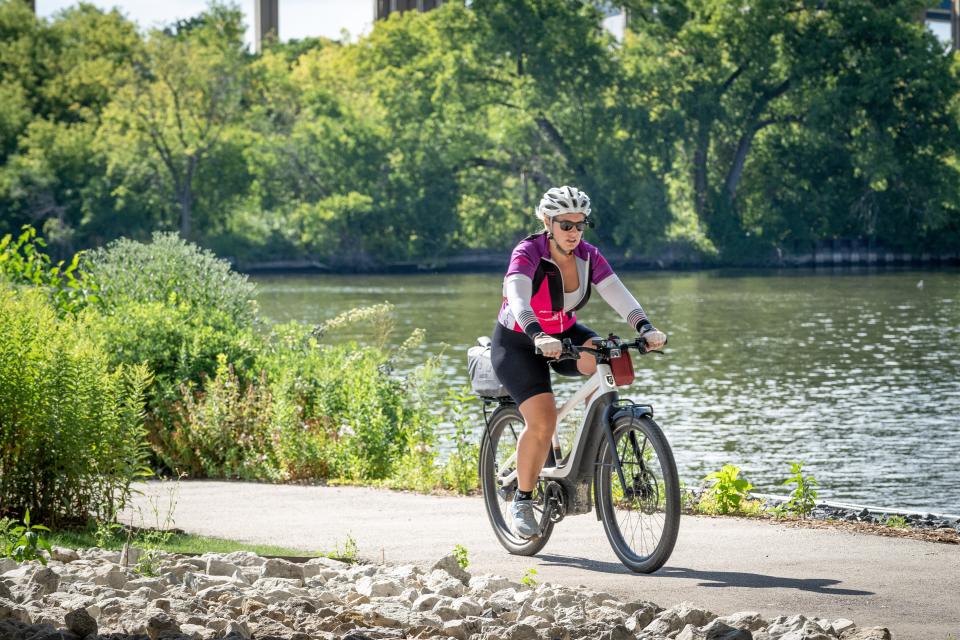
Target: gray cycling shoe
(524, 517)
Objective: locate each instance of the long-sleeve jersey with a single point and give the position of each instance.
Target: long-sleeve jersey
(533, 293)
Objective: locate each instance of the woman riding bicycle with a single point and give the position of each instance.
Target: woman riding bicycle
(549, 278)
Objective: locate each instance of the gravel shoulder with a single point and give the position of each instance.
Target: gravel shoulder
(722, 564)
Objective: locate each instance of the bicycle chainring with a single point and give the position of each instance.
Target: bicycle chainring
(556, 501)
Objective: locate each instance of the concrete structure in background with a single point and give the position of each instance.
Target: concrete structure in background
(383, 8)
(267, 17)
(266, 22)
(947, 12)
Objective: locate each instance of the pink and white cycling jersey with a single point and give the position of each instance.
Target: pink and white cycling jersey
(534, 298)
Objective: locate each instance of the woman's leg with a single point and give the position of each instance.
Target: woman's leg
(540, 418)
(587, 364)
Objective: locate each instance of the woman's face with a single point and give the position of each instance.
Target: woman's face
(568, 240)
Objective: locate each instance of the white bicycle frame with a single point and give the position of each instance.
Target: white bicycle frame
(602, 380)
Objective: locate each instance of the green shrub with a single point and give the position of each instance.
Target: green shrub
(180, 343)
(460, 472)
(176, 308)
(170, 269)
(224, 430)
(313, 411)
(24, 262)
(72, 439)
(341, 412)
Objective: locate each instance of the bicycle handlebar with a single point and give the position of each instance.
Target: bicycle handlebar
(609, 347)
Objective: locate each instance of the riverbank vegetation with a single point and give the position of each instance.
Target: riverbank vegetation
(154, 357)
(710, 133)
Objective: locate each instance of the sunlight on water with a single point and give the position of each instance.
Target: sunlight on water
(856, 374)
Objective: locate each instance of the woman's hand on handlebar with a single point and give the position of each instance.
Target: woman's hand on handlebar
(653, 339)
(547, 345)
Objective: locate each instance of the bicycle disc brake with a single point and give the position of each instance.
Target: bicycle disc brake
(645, 491)
(556, 501)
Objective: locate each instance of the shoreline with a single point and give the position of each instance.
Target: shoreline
(492, 262)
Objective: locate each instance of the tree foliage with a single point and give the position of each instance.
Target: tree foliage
(727, 127)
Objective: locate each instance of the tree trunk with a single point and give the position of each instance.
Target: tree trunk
(700, 178)
(186, 213)
(739, 160)
(186, 199)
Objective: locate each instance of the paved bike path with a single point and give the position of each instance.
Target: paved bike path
(722, 564)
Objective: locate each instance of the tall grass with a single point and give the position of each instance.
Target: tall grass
(71, 428)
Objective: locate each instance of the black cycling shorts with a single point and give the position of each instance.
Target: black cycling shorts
(523, 371)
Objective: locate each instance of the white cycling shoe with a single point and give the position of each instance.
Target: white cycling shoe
(524, 518)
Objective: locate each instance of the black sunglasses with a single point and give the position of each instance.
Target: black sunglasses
(566, 225)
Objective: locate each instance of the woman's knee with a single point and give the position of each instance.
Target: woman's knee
(587, 364)
(540, 414)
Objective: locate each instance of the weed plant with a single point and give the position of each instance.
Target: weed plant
(460, 472)
(462, 556)
(23, 541)
(728, 490)
(803, 498)
(347, 552)
(529, 578)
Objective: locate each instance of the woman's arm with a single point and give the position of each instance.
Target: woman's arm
(612, 290)
(518, 290)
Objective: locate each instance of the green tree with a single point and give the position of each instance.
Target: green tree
(47, 125)
(163, 131)
(744, 76)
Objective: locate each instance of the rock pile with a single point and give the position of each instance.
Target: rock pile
(862, 514)
(89, 595)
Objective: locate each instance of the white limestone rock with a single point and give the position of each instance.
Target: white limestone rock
(379, 587)
(276, 568)
(243, 559)
(60, 554)
(842, 626)
(461, 629)
(449, 564)
(217, 567)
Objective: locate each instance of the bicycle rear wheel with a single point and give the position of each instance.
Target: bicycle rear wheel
(642, 521)
(498, 460)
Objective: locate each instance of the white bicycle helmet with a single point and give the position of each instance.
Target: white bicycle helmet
(560, 200)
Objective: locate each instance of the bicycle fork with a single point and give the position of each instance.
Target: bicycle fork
(615, 462)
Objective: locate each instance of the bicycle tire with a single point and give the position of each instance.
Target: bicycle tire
(499, 442)
(653, 506)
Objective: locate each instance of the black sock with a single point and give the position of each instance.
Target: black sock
(523, 495)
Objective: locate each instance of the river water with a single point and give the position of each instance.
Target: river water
(855, 373)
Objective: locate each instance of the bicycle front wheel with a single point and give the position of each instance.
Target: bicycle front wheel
(641, 519)
(497, 467)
